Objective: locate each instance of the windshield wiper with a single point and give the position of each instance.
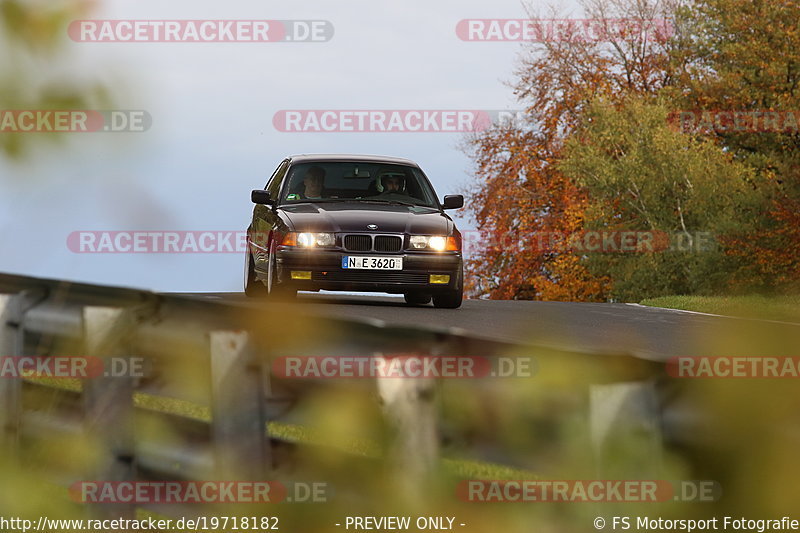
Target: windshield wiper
(315, 201)
(391, 202)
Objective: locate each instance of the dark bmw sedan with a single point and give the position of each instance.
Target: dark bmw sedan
(354, 223)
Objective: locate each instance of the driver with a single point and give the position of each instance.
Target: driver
(393, 183)
(313, 188)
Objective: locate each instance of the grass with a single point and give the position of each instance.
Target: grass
(462, 468)
(466, 469)
(456, 467)
(784, 308)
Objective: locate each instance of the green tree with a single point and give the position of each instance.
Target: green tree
(744, 55)
(641, 174)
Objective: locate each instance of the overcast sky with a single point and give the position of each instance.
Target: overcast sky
(212, 139)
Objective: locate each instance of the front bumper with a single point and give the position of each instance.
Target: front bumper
(327, 272)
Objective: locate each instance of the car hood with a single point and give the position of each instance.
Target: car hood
(345, 217)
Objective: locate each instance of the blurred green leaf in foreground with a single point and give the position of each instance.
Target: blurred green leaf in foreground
(38, 67)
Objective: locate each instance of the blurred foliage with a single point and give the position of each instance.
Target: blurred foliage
(636, 174)
(523, 428)
(37, 71)
(737, 433)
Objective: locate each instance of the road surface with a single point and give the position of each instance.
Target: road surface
(648, 332)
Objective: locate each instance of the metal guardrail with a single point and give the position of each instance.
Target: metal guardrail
(228, 349)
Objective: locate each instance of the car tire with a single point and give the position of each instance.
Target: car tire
(448, 300)
(414, 298)
(275, 290)
(451, 299)
(253, 287)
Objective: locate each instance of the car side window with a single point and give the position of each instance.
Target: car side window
(274, 183)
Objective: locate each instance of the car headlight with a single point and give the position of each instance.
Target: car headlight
(312, 240)
(437, 243)
(418, 242)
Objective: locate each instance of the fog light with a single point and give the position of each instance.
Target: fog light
(301, 274)
(441, 279)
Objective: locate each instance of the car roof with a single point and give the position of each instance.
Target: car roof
(307, 158)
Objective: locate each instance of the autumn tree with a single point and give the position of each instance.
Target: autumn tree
(744, 55)
(519, 191)
(585, 98)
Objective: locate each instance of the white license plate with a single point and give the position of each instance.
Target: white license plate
(372, 263)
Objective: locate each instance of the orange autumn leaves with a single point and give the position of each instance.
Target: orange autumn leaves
(540, 177)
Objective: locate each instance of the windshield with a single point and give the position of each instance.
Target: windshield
(357, 181)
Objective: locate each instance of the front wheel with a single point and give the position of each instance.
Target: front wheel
(448, 300)
(413, 298)
(253, 287)
(451, 299)
(276, 290)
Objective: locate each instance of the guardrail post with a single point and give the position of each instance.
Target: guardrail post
(10, 387)
(108, 403)
(410, 408)
(237, 407)
(625, 427)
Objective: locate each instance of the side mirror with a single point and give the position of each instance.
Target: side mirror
(260, 196)
(453, 201)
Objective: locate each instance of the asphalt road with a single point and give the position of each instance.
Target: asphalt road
(652, 333)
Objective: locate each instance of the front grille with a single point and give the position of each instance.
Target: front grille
(372, 276)
(388, 243)
(358, 243)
